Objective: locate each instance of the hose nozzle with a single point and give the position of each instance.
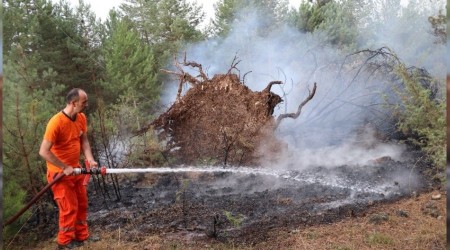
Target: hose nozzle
(78, 171)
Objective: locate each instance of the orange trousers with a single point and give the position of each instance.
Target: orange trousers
(71, 196)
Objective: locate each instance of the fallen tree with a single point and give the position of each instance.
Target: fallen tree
(220, 120)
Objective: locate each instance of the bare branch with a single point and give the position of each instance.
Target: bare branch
(299, 110)
(171, 72)
(269, 87)
(233, 66)
(186, 77)
(195, 65)
(243, 78)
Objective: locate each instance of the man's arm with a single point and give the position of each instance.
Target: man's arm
(45, 153)
(87, 152)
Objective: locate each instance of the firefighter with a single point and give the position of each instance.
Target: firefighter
(64, 139)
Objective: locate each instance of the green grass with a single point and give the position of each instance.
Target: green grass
(375, 239)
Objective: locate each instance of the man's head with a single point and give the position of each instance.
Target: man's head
(78, 99)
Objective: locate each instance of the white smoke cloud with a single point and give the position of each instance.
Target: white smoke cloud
(346, 99)
(362, 149)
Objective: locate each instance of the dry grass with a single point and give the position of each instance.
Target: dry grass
(416, 231)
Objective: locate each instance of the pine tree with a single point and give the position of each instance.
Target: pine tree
(271, 14)
(40, 66)
(25, 113)
(165, 25)
(335, 22)
(131, 70)
(63, 40)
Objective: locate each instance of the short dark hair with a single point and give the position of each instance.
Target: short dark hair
(73, 95)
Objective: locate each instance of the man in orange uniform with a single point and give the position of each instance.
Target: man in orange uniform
(64, 139)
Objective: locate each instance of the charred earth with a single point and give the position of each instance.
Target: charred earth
(243, 207)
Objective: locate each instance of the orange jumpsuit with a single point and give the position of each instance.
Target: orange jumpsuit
(69, 193)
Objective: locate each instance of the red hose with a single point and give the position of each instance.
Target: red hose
(35, 198)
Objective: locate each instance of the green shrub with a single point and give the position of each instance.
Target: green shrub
(12, 205)
(422, 114)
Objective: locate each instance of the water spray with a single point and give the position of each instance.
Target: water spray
(300, 177)
(103, 171)
(293, 176)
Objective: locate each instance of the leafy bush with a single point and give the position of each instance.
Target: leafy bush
(422, 114)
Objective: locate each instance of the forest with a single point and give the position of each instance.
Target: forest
(379, 65)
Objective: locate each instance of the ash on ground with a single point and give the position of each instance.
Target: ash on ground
(244, 207)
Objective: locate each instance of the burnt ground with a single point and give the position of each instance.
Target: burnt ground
(242, 208)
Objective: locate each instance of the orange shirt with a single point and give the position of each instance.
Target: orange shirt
(65, 134)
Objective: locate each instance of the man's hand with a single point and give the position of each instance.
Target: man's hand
(93, 164)
(68, 170)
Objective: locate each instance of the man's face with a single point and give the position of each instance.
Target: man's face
(82, 103)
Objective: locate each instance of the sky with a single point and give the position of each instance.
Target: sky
(102, 8)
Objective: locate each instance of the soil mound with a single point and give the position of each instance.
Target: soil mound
(221, 120)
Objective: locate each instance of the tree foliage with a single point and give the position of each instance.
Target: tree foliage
(439, 26)
(131, 70)
(272, 14)
(336, 22)
(419, 102)
(165, 25)
(27, 110)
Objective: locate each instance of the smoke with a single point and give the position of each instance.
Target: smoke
(332, 128)
(408, 32)
(361, 149)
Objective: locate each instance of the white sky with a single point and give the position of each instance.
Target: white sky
(102, 8)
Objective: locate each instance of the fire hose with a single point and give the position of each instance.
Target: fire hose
(103, 171)
(76, 171)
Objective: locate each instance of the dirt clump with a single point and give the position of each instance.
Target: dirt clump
(220, 121)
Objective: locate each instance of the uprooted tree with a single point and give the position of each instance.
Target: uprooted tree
(220, 120)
